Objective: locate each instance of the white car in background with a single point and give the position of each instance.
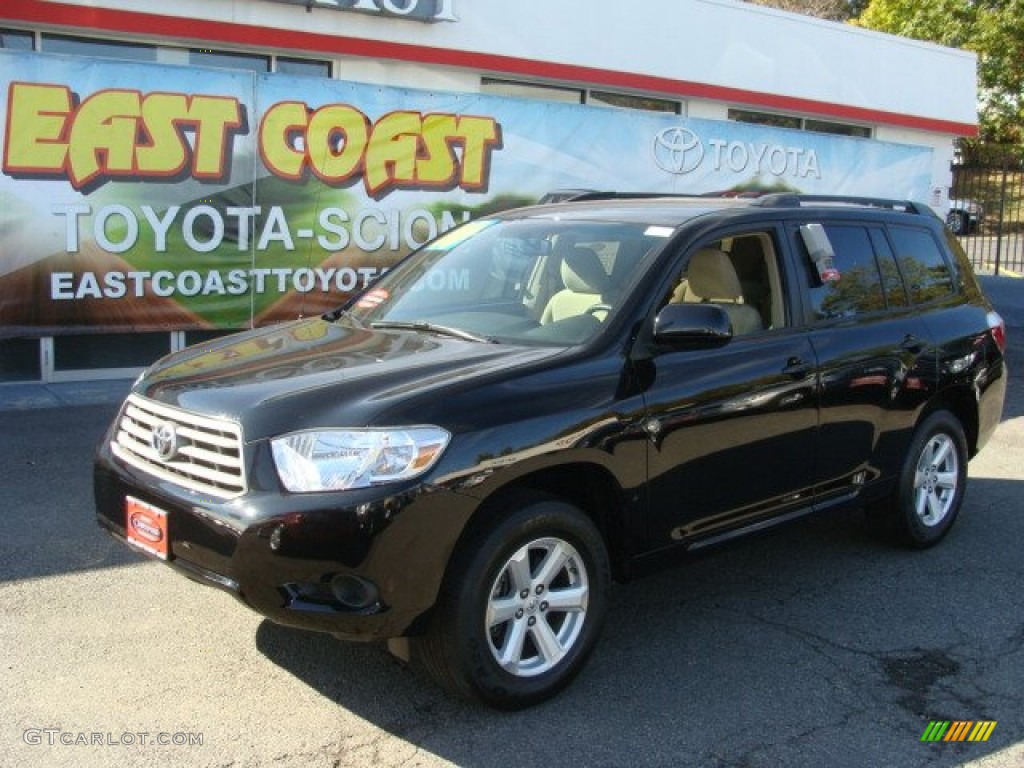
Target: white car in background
(965, 216)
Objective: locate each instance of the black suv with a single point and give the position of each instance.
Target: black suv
(461, 458)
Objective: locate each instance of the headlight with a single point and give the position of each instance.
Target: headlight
(341, 459)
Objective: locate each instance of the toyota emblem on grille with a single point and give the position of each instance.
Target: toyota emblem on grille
(164, 440)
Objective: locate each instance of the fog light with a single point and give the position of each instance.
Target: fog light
(353, 591)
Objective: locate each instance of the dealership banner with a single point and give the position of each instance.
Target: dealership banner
(152, 197)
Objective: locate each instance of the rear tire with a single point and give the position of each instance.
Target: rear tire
(931, 486)
(522, 607)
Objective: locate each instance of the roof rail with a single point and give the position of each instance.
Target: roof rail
(766, 200)
(623, 195)
(791, 200)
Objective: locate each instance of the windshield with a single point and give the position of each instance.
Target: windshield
(531, 281)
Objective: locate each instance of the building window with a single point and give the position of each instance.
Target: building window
(840, 129)
(531, 91)
(19, 360)
(576, 96)
(109, 49)
(205, 57)
(765, 118)
(13, 40)
(775, 120)
(306, 67)
(631, 101)
(201, 337)
(110, 350)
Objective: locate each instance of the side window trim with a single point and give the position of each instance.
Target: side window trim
(885, 257)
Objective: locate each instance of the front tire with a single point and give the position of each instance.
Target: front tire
(522, 606)
(931, 485)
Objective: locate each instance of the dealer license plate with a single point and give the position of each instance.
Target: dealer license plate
(145, 527)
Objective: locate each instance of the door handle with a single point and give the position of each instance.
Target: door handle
(797, 367)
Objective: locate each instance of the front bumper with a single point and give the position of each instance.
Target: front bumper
(363, 565)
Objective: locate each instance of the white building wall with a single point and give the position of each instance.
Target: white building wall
(707, 110)
(402, 74)
(728, 45)
(942, 160)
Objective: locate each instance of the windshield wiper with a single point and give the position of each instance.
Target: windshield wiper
(442, 330)
(337, 314)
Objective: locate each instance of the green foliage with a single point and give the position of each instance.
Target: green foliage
(994, 29)
(1000, 43)
(947, 22)
(835, 10)
(756, 185)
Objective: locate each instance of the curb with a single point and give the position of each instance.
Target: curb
(23, 396)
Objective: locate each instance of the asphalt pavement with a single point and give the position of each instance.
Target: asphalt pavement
(1006, 292)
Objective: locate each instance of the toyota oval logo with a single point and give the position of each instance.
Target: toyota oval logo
(678, 150)
(164, 440)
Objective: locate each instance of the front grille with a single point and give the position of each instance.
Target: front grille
(198, 452)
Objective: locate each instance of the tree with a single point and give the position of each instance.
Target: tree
(993, 29)
(834, 10)
(947, 22)
(999, 42)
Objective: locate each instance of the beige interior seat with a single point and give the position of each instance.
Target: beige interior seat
(586, 284)
(711, 279)
(747, 256)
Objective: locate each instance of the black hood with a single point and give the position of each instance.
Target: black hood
(310, 373)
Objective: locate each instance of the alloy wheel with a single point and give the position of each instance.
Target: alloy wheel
(936, 479)
(537, 607)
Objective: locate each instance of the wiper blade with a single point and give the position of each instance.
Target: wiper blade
(338, 314)
(443, 330)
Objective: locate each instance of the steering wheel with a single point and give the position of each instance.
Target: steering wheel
(602, 307)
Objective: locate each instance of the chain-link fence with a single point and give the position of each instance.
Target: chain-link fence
(987, 205)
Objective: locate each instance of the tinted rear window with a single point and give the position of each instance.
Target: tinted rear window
(925, 270)
(858, 290)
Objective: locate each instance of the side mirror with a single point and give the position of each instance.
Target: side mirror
(704, 324)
